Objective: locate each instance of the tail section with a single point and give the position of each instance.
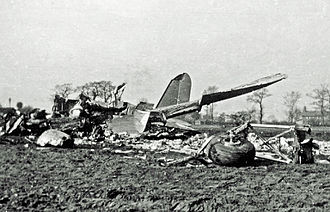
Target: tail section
(188, 107)
(177, 91)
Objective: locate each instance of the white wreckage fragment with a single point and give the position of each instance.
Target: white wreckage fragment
(53, 138)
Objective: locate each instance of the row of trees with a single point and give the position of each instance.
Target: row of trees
(320, 100)
(104, 90)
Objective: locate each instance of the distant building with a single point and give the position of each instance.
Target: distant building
(314, 117)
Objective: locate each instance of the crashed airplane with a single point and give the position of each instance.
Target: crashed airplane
(175, 101)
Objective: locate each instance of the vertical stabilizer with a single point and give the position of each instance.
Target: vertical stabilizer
(177, 91)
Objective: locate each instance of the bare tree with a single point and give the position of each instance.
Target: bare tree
(291, 100)
(320, 97)
(107, 90)
(64, 90)
(258, 97)
(101, 89)
(91, 89)
(210, 109)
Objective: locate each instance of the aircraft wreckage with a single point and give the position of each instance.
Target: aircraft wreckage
(175, 102)
(230, 148)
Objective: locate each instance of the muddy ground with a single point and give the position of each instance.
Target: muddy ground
(56, 179)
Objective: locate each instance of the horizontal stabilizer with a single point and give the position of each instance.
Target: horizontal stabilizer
(243, 89)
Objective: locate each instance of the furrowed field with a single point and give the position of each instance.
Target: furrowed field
(56, 179)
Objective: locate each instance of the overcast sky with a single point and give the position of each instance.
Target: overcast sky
(146, 43)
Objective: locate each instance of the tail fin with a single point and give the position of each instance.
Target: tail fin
(177, 91)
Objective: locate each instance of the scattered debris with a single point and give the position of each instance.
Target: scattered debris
(16, 124)
(55, 138)
(299, 150)
(156, 132)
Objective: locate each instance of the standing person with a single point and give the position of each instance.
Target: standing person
(303, 146)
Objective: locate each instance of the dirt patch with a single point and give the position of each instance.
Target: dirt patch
(84, 179)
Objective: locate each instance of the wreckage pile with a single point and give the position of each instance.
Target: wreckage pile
(88, 127)
(90, 130)
(233, 148)
(14, 123)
